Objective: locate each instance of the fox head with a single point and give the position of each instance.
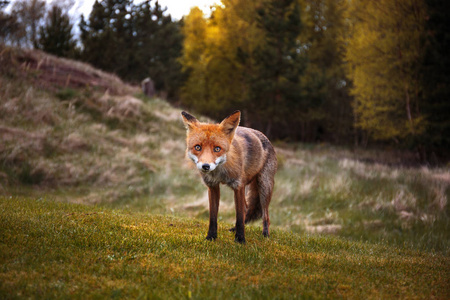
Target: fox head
(208, 144)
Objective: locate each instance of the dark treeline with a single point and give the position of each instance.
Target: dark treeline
(134, 42)
(347, 72)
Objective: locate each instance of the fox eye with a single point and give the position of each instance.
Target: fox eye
(198, 147)
(217, 149)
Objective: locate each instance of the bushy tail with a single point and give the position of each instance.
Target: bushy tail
(254, 210)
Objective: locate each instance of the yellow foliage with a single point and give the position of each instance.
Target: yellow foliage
(383, 51)
(215, 80)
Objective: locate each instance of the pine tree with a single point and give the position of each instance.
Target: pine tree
(158, 45)
(135, 42)
(275, 93)
(327, 112)
(107, 36)
(56, 36)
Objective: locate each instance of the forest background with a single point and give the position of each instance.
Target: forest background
(345, 72)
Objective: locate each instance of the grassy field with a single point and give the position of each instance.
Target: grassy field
(50, 250)
(128, 213)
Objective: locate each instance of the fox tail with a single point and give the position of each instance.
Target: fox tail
(254, 209)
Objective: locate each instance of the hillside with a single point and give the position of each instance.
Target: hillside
(75, 134)
(72, 128)
(50, 249)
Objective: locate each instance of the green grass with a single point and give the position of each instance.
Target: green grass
(50, 249)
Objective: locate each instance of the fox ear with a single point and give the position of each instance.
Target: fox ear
(230, 123)
(189, 120)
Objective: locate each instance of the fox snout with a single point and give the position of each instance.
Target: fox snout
(206, 166)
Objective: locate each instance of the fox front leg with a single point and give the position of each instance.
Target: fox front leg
(214, 197)
(239, 201)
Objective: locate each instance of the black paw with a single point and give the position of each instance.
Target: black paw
(211, 237)
(233, 229)
(239, 239)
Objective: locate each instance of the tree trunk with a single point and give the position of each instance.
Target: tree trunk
(408, 110)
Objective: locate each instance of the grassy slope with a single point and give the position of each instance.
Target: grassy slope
(50, 249)
(91, 143)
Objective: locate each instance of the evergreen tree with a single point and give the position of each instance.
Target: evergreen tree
(158, 45)
(107, 37)
(134, 41)
(56, 36)
(327, 112)
(274, 84)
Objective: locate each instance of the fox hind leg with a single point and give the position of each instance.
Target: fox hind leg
(266, 182)
(265, 197)
(258, 199)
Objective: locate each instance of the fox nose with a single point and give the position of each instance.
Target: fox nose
(205, 167)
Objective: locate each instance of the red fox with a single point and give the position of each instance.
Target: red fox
(239, 157)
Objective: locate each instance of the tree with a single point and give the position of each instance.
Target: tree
(275, 93)
(158, 45)
(384, 53)
(56, 36)
(216, 76)
(10, 28)
(133, 41)
(326, 112)
(107, 36)
(29, 13)
(195, 90)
